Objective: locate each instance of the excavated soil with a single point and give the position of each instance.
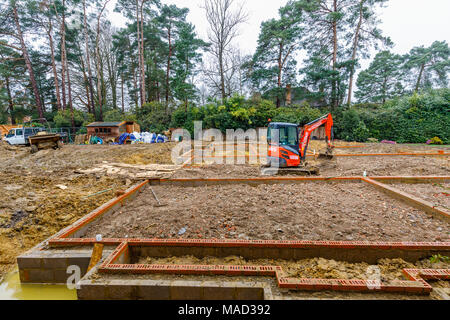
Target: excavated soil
(316, 268)
(41, 193)
(436, 193)
(307, 211)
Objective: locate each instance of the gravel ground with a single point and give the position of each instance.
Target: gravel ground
(436, 193)
(308, 211)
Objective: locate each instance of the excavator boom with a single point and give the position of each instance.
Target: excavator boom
(305, 137)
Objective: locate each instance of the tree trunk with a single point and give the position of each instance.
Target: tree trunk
(86, 84)
(355, 48)
(222, 75)
(138, 37)
(63, 55)
(55, 73)
(335, 48)
(88, 60)
(280, 68)
(69, 85)
(158, 93)
(112, 80)
(70, 94)
(140, 34)
(123, 101)
(422, 68)
(144, 98)
(100, 80)
(28, 64)
(10, 101)
(99, 87)
(168, 67)
(135, 87)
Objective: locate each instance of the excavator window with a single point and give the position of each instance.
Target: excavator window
(288, 135)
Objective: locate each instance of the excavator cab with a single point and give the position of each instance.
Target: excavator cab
(288, 143)
(283, 141)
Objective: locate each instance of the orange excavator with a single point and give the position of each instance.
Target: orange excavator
(288, 144)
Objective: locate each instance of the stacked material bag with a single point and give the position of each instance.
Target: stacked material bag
(143, 137)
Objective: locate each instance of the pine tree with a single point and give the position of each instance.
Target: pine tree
(429, 66)
(325, 26)
(273, 61)
(382, 80)
(364, 34)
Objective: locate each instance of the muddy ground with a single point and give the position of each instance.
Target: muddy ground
(307, 211)
(44, 192)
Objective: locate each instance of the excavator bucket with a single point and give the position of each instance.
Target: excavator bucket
(328, 155)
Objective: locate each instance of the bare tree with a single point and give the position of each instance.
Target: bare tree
(90, 96)
(97, 46)
(26, 56)
(224, 24)
(49, 30)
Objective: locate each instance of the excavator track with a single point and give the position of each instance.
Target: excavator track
(300, 171)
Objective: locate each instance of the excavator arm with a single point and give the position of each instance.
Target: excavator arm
(305, 136)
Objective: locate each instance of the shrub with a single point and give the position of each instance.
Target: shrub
(63, 118)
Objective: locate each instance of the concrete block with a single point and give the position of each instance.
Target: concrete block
(198, 252)
(157, 291)
(272, 253)
(248, 293)
(25, 262)
(40, 275)
(186, 290)
(209, 251)
(286, 253)
(304, 253)
(251, 252)
(155, 252)
(60, 275)
(24, 275)
(219, 293)
(92, 292)
(121, 292)
(178, 251)
(54, 263)
(82, 262)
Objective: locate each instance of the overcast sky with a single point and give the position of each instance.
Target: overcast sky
(409, 23)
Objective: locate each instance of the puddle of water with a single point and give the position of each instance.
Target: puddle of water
(12, 289)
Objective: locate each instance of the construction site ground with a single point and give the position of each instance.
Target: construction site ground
(44, 192)
(307, 211)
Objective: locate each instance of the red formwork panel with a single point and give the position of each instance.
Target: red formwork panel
(416, 285)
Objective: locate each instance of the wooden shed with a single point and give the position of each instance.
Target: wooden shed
(4, 128)
(107, 130)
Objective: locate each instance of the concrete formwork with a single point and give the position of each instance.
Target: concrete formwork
(47, 262)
